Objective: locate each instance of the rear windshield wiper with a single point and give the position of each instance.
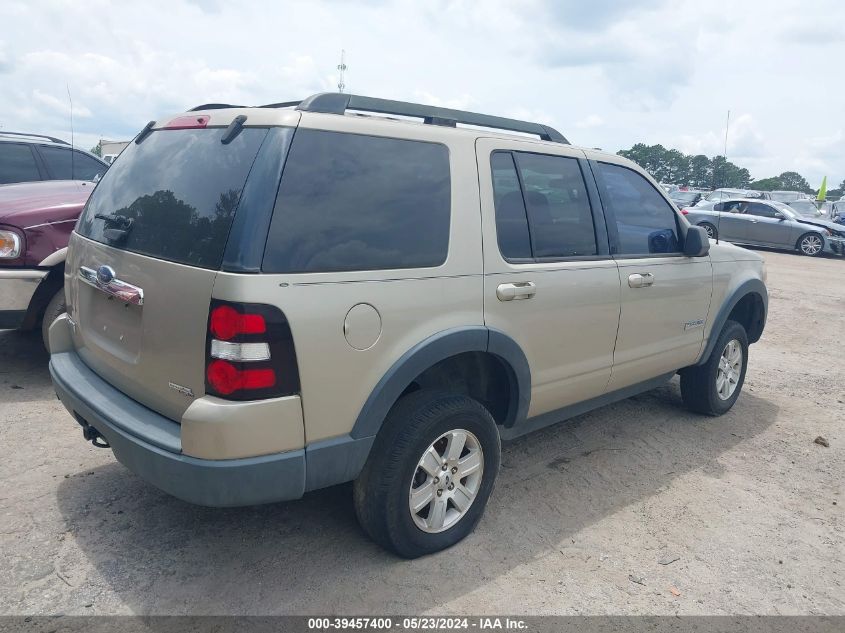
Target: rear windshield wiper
(117, 227)
(234, 129)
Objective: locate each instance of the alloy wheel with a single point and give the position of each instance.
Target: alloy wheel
(446, 481)
(729, 370)
(811, 244)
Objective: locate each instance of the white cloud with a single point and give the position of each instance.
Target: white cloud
(592, 120)
(605, 73)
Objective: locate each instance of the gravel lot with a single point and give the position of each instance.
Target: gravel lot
(584, 519)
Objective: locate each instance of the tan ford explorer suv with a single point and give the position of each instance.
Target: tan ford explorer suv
(267, 301)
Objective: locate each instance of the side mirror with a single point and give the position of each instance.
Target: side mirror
(696, 242)
(779, 216)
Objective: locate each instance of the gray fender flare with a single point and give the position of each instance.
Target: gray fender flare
(341, 459)
(431, 351)
(750, 286)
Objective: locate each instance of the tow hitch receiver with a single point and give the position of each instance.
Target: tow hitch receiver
(91, 434)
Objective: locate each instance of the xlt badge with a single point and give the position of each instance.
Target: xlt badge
(185, 391)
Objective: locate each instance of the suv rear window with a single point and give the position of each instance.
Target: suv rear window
(180, 189)
(355, 202)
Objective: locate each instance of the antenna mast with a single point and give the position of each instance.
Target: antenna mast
(342, 68)
(721, 193)
(72, 172)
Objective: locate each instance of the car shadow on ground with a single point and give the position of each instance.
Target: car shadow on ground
(161, 555)
(24, 376)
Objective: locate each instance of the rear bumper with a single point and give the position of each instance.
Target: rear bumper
(149, 445)
(16, 290)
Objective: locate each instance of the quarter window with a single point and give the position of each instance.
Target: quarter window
(59, 163)
(543, 212)
(354, 202)
(645, 222)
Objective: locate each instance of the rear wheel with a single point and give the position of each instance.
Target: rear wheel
(711, 230)
(51, 313)
(712, 388)
(811, 244)
(430, 473)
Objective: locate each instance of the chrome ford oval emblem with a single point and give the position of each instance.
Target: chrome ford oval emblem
(105, 275)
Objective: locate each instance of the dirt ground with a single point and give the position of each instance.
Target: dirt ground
(585, 518)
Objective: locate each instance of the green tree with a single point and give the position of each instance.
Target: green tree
(97, 150)
(700, 171)
(767, 184)
(793, 181)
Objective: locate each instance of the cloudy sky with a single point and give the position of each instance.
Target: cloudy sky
(606, 73)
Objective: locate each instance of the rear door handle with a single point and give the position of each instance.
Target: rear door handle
(640, 280)
(517, 290)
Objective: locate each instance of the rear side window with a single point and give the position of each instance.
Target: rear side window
(542, 208)
(511, 219)
(17, 164)
(59, 163)
(174, 195)
(646, 223)
(354, 202)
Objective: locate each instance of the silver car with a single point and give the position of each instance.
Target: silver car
(768, 223)
(718, 195)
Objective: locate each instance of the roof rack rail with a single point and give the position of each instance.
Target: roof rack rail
(49, 138)
(339, 103)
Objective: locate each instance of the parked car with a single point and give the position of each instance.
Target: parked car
(787, 196)
(805, 208)
(718, 195)
(36, 220)
(31, 157)
(685, 198)
(239, 334)
(769, 223)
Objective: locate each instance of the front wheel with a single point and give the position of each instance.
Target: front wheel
(712, 388)
(430, 473)
(811, 244)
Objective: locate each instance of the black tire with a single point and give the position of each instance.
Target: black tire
(712, 233)
(382, 490)
(51, 313)
(803, 245)
(698, 384)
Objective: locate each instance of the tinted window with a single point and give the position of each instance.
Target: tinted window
(761, 210)
(353, 202)
(511, 220)
(59, 163)
(179, 188)
(645, 221)
(558, 209)
(734, 206)
(17, 164)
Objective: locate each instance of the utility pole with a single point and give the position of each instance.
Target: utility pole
(342, 68)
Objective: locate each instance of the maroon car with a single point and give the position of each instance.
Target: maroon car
(36, 219)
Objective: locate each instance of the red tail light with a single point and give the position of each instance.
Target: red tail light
(249, 352)
(685, 211)
(226, 323)
(227, 379)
